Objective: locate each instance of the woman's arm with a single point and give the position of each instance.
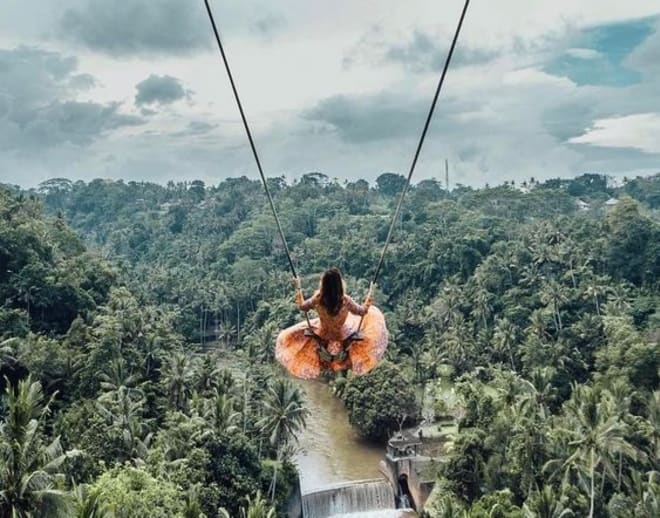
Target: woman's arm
(357, 309)
(306, 305)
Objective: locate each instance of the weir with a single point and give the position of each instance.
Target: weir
(350, 499)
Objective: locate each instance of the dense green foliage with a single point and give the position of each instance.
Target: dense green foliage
(543, 311)
(115, 414)
(380, 403)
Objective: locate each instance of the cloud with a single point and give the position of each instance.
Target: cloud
(427, 52)
(38, 109)
(78, 123)
(137, 26)
(367, 118)
(269, 25)
(30, 76)
(646, 57)
(582, 53)
(600, 57)
(423, 52)
(505, 113)
(195, 128)
(638, 131)
(147, 112)
(159, 90)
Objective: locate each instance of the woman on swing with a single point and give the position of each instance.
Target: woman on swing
(333, 342)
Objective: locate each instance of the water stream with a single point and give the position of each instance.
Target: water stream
(331, 451)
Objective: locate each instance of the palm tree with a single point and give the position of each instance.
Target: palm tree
(546, 504)
(482, 307)
(259, 342)
(284, 417)
(219, 413)
(530, 275)
(192, 507)
(539, 392)
(88, 505)
(117, 375)
(152, 351)
(596, 289)
(554, 295)
(225, 333)
(618, 301)
(538, 323)
(593, 437)
(617, 398)
(504, 338)
(654, 421)
(7, 353)
(123, 409)
(257, 508)
(646, 494)
(459, 344)
(284, 412)
(177, 378)
(30, 471)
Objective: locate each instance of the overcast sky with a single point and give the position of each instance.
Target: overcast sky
(134, 89)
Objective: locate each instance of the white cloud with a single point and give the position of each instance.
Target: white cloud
(639, 131)
(581, 53)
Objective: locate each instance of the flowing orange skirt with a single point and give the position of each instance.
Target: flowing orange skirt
(299, 353)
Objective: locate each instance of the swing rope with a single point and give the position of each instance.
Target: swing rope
(395, 217)
(406, 187)
(253, 147)
(249, 135)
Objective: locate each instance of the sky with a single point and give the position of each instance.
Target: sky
(135, 90)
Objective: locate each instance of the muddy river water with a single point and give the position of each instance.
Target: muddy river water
(330, 450)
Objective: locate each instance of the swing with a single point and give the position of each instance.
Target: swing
(307, 330)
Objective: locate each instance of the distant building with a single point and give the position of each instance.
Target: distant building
(582, 205)
(611, 203)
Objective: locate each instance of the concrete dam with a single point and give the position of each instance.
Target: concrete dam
(366, 498)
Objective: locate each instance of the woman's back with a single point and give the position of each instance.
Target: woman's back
(332, 323)
(346, 335)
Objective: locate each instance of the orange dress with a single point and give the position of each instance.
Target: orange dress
(300, 353)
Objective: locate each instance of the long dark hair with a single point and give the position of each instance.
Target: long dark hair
(332, 290)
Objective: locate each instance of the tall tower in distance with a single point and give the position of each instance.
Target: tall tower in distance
(447, 174)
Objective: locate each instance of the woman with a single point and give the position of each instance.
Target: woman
(332, 343)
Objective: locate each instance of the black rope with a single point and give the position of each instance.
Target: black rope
(419, 145)
(249, 135)
(253, 147)
(395, 217)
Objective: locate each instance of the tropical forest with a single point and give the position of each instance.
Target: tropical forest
(138, 325)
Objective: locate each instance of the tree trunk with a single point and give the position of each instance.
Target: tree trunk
(274, 481)
(201, 334)
(238, 323)
(591, 489)
(245, 410)
(570, 269)
(558, 315)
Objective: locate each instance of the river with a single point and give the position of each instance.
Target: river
(330, 450)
